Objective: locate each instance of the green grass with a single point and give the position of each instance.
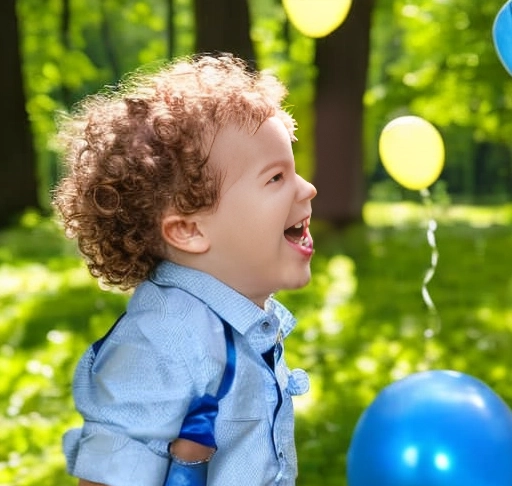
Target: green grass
(362, 322)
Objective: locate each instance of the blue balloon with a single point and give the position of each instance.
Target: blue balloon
(433, 428)
(502, 35)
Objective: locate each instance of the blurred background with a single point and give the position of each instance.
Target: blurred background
(362, 321)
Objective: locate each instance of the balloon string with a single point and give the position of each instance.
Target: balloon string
(435, 324)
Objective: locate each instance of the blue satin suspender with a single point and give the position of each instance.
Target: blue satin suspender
(199, 424)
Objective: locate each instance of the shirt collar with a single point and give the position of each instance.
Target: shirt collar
(240, 312)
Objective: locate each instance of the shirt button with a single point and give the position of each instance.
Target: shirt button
(265, 326)
(281, 455)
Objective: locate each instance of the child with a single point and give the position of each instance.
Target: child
(182, 185)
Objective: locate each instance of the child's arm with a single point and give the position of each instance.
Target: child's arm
(189, 463)
(190, 451)
(184, 449)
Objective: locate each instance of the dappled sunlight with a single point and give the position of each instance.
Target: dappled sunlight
(38, 278)
(378, 214)
(305, 404)
(479, 217)
(367, 365)
(361, 325)
(364, 322)
(340, 290)
(495, 318)
(50, 310)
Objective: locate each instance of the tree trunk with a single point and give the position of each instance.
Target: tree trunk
(18, 181)
(224, 25)
(342, 63)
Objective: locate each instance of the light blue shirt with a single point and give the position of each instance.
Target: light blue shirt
(168, 348)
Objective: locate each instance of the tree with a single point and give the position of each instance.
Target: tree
(224, 25)
(18, 159)
(437, 60)
(342, 64)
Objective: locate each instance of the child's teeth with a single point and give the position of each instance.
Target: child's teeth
(298, 225)
(304, 241)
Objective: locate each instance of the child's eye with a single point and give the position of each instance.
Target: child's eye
(276, 178)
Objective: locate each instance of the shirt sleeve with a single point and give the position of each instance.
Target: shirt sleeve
(101, 455)
(133, 394)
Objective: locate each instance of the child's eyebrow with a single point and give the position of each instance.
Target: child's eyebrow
(277, 164)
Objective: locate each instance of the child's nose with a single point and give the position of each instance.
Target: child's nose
(307, 190)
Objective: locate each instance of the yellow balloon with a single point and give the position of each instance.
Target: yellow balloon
(412, 152)
(317, 18)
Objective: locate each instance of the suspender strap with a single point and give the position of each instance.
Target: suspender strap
(229, 370)
(199, 423)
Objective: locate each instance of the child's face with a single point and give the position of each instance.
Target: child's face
(258, 245)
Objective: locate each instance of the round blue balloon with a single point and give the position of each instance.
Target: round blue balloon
(502, 35)
(434, 428)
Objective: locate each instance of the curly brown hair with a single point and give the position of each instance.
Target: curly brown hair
(141, 149)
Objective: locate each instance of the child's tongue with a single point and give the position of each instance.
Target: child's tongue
(294, 234)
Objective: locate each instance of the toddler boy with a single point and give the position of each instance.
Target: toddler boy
(181, 185)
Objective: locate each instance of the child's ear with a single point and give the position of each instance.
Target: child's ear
(184, 233)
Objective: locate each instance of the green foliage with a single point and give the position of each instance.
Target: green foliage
(439, 62)
(436, 59)
(431, 58)
(104, 40)
(50, 310)
(362, 324)
(63, 62)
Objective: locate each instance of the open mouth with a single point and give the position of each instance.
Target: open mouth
(298, 234)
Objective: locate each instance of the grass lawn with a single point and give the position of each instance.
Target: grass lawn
(362, 324)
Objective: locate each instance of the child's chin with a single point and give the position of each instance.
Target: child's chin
(300, 282)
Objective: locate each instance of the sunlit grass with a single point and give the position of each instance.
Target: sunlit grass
(362, 323)
(378, 214)
(374, 301)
